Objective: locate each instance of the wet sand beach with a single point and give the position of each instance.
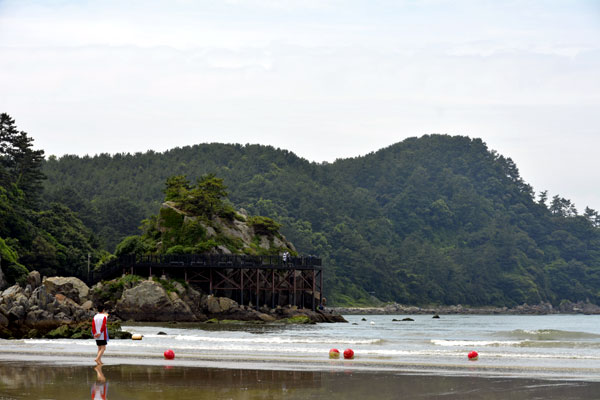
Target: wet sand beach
(32, 380)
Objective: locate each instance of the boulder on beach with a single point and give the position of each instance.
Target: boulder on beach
(149, 301)
(34, 311)
(219, 305)
(71, 287)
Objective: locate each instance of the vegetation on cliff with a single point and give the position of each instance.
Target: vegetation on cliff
(199, 219)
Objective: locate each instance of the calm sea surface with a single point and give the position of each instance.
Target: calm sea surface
(547, 347)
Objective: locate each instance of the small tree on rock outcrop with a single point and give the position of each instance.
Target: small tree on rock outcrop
(205, 199)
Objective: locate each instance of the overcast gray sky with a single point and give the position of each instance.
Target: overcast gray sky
(325, 79)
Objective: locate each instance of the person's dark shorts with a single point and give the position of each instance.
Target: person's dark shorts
(101, 342)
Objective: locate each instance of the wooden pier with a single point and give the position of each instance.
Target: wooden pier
(250, 280)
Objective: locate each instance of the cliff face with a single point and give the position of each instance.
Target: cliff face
(176, 231)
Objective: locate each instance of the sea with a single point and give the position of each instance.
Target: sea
(547, 347)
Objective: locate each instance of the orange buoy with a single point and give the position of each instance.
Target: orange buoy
(473, 356)
(348, 354)
(334, 353)
(169, 354)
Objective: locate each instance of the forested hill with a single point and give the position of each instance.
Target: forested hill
(436, 219)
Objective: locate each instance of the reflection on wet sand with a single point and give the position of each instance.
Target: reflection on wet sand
(29, 380)
(100, 387)
(100, 376)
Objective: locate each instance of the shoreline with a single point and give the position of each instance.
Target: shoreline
(567, 308)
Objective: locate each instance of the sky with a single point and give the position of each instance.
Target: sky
(324, 79)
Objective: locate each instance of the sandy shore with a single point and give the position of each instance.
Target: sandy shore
(34, 380)
(286, 362)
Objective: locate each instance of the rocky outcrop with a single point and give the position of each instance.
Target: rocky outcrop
(230, 235)
(314, 316)
(149, 301)
(64, 307)
(70, 287)
(36, 310)
(34, 279)
(578, 308)
(223, 308)
(219, 305)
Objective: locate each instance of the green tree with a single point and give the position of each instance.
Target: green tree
(20, 164)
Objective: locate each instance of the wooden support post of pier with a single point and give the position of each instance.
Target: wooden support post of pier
(272, 288)
(314, 288)
(241, 286)
(294, 291)
(257, 289)
(320, 287)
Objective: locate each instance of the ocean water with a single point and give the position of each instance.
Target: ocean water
(555, 347)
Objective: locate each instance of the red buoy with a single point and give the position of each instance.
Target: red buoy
(473, 356)
(334, 353)
(169, 354)
(348, 354)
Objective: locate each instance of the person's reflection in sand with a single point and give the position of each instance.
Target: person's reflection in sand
(100, 387)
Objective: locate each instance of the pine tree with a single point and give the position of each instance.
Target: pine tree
(20, 165)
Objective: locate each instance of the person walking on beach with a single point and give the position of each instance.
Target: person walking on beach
(100, 332)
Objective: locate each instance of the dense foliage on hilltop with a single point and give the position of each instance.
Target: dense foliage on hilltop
(436, 219)
(51, 239)
(199, 219)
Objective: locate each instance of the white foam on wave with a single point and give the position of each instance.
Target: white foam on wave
(475, 343)
(277, 340)
(239, 347)
(557, 356)
(59, 342)
(220, 346)
(298, 350)
(549, 334)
